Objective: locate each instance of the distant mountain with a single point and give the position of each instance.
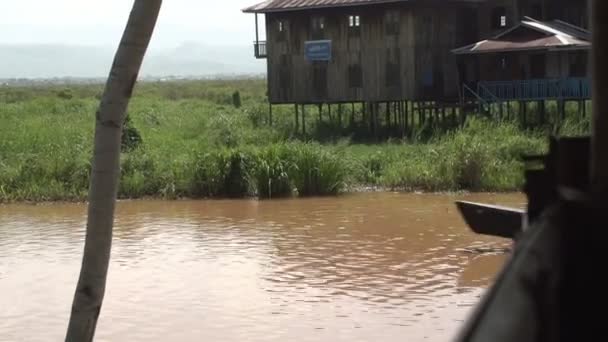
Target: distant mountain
(187, 60)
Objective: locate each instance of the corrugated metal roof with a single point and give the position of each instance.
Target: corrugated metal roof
(290, 5)
(295, 5)
(553, 35)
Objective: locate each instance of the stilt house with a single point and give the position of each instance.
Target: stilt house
(391, 51)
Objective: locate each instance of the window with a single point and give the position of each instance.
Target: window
(281, 30)
(318, 23)
(284, 73)
(319, 79)
(499, 18)
(354, 25)
(393, 67)
(392, 22)
(355, 76)
(578, 64)
(318, 27)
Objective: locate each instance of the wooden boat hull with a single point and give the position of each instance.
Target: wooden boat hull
(492, 220)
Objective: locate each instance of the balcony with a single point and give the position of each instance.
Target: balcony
(536, 90)
(259, 49)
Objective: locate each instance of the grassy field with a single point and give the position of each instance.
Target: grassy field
(197, 140)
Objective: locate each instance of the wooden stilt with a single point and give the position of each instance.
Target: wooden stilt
(320, 112)
(297, 114)
(405, 117)
(542, 112)
(375, 120)
(388, 116)
(270, 114)
(501, 113)
(340, 115)
(304, 119)
(584, 109)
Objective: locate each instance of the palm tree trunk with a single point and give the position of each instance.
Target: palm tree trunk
(106, 169)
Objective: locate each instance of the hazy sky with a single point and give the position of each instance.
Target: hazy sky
(100, 22)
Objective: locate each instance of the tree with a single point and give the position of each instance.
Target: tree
(106, 169)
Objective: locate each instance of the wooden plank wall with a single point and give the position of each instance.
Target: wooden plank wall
(416, 47)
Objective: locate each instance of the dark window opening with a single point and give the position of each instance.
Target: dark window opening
(536, 11)
(393, 67)
(319, 79)
(392, 74)
(538, 66)
(392, 23)
(281, 30)
(318, 28)
(578, 64)
(354, 25)
(284, 78)
(428, 77)
(355, 76)
(499, 18)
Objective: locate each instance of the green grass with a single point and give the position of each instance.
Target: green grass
(195, 142)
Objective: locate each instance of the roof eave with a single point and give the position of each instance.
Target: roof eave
(303, 8)
(253, 9)
(547, 48)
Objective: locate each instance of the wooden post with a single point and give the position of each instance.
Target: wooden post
(405, 116)
(500, 110)
(270, 114)
(303, 119)
(297, 118)
(320, 112)
(584, 109)
(340, 115)
(257, 37)
(561, 108)
(388, 115)
(599, 56)
(352, 115)
(541, 112)
(331, 119)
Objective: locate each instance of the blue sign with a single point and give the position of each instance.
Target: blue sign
(318, 50)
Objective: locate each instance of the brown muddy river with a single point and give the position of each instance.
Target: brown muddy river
(365, 267)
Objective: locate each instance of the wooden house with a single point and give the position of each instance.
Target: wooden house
(532, 61)
(382, 51)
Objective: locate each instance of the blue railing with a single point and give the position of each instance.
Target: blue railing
(535, 90)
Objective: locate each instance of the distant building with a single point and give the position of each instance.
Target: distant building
(532, 61)
(391, 51)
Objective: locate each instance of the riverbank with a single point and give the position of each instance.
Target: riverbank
(201, 140)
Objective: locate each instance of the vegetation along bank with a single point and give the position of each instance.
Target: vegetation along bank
(202, 139)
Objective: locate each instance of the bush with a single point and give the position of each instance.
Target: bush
(236, 99)
(131, 138)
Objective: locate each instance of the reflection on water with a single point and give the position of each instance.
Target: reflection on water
(367, 267)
